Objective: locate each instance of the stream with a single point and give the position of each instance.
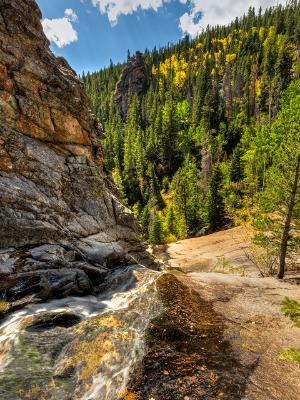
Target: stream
(79, 347)
(147, 336)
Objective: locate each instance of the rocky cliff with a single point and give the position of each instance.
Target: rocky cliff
(61, 226)
(133, 80)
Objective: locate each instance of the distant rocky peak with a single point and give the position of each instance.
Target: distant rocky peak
(133, 80)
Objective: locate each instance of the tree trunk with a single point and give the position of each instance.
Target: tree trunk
(264, 173)
(287, 225)
(270, 101)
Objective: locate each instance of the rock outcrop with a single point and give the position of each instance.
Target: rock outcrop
(133, 80)
(61, 226)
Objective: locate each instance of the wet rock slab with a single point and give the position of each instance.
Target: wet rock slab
(74, 348)
(187, 355)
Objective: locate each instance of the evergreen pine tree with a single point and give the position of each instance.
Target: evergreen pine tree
(156, 235)
(209, 100)
(237, 165)
(171, 224)
(214, 206)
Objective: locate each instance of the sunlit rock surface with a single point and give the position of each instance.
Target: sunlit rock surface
(61, 225)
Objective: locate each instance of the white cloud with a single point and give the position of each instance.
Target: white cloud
(115, 8)
(216, 12)
(200, 12)
(60, 30)
(71, 15)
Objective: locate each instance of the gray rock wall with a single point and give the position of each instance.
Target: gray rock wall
(61, 226)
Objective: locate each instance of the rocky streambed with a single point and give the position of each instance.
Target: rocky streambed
(78, 347)
(147, 336)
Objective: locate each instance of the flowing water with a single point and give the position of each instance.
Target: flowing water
(79, 347)
(147, 336)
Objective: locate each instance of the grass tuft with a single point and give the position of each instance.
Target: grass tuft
(290, 355)
(291, 308)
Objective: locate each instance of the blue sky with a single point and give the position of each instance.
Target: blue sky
(88, 33)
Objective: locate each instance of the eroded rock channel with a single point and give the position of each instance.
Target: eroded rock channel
(147, 336)
(79, 347)
(187, 356)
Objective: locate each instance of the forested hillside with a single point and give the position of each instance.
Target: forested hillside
(214, 131)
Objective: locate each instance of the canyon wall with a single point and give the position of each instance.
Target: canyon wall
(62, 227)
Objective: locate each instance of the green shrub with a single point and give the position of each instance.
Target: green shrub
(291, 308)
(290, 355)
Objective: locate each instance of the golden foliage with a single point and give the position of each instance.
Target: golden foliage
(258, 88)
(173, 67)
(179, 79)
(230, 57)
(223, 42)
(154, 70)
(218, 55)
(261, 33)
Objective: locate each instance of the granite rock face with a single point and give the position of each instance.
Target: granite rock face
(61, 225)
(133, 80)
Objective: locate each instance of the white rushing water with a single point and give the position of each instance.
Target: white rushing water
(130, 296)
